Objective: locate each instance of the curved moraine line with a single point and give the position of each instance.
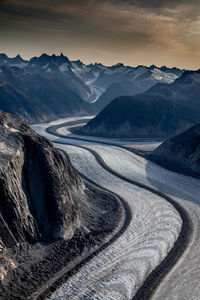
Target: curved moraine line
(155, 277)
(154, 229)
(65, 275)
(143, 251)
(54, 130)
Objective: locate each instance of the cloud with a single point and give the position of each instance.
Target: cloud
(166, 29)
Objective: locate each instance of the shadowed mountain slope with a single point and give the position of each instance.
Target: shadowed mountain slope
(181, 153)
(161, 112)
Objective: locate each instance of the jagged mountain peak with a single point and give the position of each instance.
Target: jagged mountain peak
(141, 67)
(3, 55)
(79, 63)
(118, 65)
(98, 64)
(45, 58)
(153, 67)
(18, 56)
(90, 81)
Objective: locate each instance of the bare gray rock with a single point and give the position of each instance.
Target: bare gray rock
(50, 218)
(38, 189)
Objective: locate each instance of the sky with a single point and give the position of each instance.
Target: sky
(160, 32)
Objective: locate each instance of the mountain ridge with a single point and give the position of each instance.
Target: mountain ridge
(51, 86)
(162, 111)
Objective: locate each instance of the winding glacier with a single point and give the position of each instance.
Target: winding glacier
(127, 262)
(118, 271)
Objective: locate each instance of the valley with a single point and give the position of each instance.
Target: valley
(99, 150)
(120, 269)
(48, 87)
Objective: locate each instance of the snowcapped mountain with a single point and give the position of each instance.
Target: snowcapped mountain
(91, 81)
(13, 62)
(47, 77)
(128, 81)
(120, 73)
(43, 89)
(54, 67)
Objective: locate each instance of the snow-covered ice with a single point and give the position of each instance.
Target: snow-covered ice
(122, 267)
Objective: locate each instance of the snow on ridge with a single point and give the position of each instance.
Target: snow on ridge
(20, 65)
(82, 69)
(163, 76)
(45, 66)
(64, 67)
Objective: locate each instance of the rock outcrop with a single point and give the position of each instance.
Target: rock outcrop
(38, 190)
(50, 219)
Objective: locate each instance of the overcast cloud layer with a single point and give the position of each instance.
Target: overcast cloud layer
(133, 32)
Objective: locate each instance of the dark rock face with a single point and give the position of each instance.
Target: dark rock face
(181, 153)
(38, 190)
(161, 112)
(50, 218)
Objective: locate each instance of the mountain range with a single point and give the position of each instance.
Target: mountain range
(128, 81)
(48, 87)
(162, 111)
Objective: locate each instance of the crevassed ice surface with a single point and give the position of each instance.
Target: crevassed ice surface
(183, 281)
(121, 268)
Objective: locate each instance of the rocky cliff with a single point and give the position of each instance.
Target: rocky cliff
(50, 219)
(38, 190)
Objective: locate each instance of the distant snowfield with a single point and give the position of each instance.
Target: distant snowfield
(118, 271)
